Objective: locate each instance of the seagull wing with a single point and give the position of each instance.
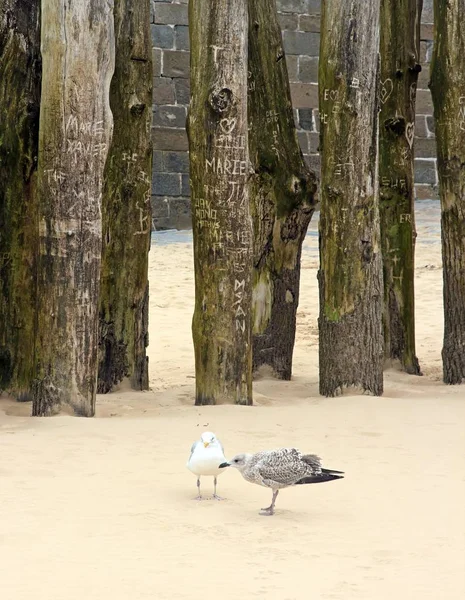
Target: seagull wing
(282, 468)
(194, 446)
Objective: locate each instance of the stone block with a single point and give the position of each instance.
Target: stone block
(430, 126)
(308, 69)
(423, 78)
(167, 184)
(313, 161)
(162, 36)
(176, 162)
(310, 23)
(303, 141)
(176, 63)
(165, 138)
(185, 185)
(182, 87)
(426, 192)
(181, 36)
(171, 14)
(171, 213)
(427, 15)
(425, 171)
(169, 116)
(156, 61)
(288, 21)
(157, 162)
(425, 148)
(313, 142)
(304, 95)
(426, 32)
(316, 120)
(420, 127)
(163, 90)
(292, 65)
(314, 7)
(424, 103)
(306, 118)
(299, 42)
(292, 6)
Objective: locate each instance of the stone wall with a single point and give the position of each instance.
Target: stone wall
(300, 22)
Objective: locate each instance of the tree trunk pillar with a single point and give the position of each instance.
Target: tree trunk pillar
(448, 91)
(282, 194)
(74, 136)
(126, 213)
(20, 70)
(400, 58)
(350, 276)
(222, 226)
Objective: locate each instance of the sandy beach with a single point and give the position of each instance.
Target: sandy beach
(103, 508)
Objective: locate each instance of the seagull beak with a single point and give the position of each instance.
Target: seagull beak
(206, 444)
(223, 465)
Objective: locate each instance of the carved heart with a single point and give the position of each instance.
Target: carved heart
(228, 125)
(333, 94)
(386, 90)
(409, 133)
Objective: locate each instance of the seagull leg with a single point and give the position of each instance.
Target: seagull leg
(215, 495)
(199, 497)
(269, 510)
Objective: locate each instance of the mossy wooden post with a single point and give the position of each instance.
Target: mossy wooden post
(126, 207)
(282, 194)
(19, 129)
(222, 225)
(350, 275)
(74, 135)
(448, 91)
(400, 58)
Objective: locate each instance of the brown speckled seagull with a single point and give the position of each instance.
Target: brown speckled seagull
(278, 469)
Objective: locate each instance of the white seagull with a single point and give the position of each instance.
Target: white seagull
(278, 469)
(206, 456)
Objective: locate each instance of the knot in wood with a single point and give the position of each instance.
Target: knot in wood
(137, 109)
(221, 101)
(396, 125)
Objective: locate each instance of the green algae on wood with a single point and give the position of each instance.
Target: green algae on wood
(281, 192)
(20, 71)
(350, 275)
(448, 92)
(126, 209)
(399, 49)
(222, 225)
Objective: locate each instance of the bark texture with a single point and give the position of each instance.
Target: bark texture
(282, 194)
(400, 57)
(126, 205)
(448, 91)
(74, 135)
(350, 276)
(222, 225)
(20, 71)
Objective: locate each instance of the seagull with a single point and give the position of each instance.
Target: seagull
(206, 456)
(278, 469)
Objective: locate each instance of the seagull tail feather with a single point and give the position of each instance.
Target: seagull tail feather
(325, 475)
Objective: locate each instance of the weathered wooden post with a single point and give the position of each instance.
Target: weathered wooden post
(126, 209)
(219, 171)
(350, 276)
(282, 194)
(74, 136)
(448, 91)
(20, 72)
(400, 65)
